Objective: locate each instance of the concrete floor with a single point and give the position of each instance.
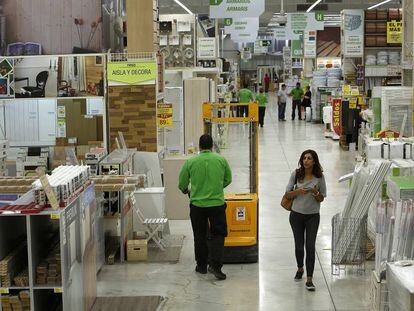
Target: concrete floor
(267, 285)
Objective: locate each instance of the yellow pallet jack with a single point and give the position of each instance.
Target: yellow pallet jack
(242, 242)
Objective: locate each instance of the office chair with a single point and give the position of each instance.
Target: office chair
(39, 89)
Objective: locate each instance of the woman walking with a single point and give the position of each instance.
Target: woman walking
(307, 188)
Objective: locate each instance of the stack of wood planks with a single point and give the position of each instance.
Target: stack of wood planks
(12, 264)
(20, 302)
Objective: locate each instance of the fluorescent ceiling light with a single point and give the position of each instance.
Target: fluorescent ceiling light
(184, 7)
(313, 5)
(378, 4)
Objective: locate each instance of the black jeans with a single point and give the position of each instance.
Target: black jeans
(262, 112)
(305, 228)
(281, 109)
(209, 229)
(296, 104)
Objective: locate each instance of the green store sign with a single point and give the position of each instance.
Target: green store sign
(132, 72)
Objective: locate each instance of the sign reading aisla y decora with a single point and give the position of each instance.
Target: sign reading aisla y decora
(236, 8)
(132, 72)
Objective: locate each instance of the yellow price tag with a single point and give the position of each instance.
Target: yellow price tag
(4, 290)
(55, 216)
(58, 290)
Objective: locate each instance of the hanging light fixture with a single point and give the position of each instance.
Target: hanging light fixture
(184, 7)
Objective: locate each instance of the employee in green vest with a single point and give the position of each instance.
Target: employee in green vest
(297, 95)
(261, 98)
(245, 96)
(208, 173)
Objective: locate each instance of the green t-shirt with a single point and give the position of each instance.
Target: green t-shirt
(245, 96)
(208, 173)
(297, 93)
(261, 99)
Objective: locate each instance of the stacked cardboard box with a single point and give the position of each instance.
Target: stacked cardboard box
(20, 302)
(49, 272)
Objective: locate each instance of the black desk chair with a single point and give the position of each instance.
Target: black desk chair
(39, 89)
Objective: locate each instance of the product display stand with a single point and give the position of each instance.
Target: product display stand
(52, 254)
(116, 206)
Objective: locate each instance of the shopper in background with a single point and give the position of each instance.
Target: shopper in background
(307, 188)
(297, 95)
(245, 96)
(281, 102)
(261, 98)
(307, 100)
(208, 174)
(266, 81)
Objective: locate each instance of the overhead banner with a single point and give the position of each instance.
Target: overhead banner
(236, 8)
(286, 33)
(242, 29)
(353, 33)
(132, 72)
(309, 44)
(394, 32)
(306, 21)
(206, 48)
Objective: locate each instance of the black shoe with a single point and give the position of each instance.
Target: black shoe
(310, 287)
(298, 276)
(217, 273)
(201, 269)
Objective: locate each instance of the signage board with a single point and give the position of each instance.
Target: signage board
(206, 48)
(394, 32)
(236, 8)
(306, 21)
(297, 49)
(353, 33)
(132, 72)
(164, 115)
(309, 44)
(242, 29)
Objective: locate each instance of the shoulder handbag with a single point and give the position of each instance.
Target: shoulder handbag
(287, 203)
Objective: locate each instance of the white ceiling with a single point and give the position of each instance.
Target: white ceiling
(273, 6)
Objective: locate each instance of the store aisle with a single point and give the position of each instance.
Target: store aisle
(267, 285)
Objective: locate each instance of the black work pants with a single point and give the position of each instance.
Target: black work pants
(262, 112)
(296, 104)
(282, 108)
(305, 229)
(209, 229)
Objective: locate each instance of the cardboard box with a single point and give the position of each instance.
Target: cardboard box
(137, 250)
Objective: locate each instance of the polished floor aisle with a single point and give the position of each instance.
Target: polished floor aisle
(267, 285)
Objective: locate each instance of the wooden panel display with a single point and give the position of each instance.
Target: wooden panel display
(196, 92)
(140, 25)
(132, 110)
(51, 23)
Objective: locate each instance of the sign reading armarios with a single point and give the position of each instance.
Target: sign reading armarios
(394, 32)
(236, 8)
(132, 72)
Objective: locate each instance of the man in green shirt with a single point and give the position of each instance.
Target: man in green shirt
(245, 96)
(297, 95)
(262, 100)
(208, 173)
